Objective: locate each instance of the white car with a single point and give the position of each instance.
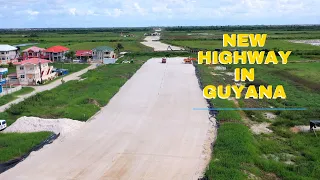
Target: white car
(3, 124)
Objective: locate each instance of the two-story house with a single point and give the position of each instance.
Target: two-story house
(57, 53)
(8, 54)
(31, 71)
(34, 52)
(102, 52)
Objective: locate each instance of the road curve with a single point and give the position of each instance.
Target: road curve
(147, 131)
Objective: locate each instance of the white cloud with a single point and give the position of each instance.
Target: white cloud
(72, 11)
(32, 13)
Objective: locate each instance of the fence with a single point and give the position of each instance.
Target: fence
(10, 90)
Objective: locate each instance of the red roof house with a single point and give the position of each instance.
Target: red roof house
(57, 53)
(57, 49)
(32, 61)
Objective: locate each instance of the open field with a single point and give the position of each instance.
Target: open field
(80, 41)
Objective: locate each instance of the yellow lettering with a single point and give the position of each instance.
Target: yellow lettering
(237, 57)
(238, 90)
(251, 92)
(227, 40)
(243, 40)
(271, 57)
(279, 93)
(245, 74)
(225, 57)
(237, 74)
(255, 57)
(267, 92)
(206, 57)
(222, 94)
(258, 39)
(215, 57)
(284, 56)
(210, 92)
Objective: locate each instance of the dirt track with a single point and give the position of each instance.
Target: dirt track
(147, 131)
(153, 41)
(73, 76)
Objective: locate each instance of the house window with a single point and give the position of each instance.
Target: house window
(22, 76)
(32, 68)
(21, 68)
(2, 52)
(3, 58)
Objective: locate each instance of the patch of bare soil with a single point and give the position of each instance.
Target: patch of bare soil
(261, 128)
(270, 115)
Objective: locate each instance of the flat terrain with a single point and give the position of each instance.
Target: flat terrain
(147, 131)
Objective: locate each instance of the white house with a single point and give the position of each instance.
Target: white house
(102, 52)
(28, 72)
(8, 54)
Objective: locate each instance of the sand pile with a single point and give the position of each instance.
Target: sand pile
(35, 124)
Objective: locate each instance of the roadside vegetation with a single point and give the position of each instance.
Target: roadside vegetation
(14, 145)
(10, 97)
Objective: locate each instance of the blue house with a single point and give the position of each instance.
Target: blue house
(3, 71)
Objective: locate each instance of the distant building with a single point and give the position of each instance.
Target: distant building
(99, 53)
(8, 54)
(84, 54)
(28, 72)
(57, 53)
(34, 52)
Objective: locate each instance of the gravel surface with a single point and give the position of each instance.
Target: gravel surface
(148, 130)
(152, 41)
(35, 124)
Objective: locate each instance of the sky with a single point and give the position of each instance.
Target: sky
(141, 13)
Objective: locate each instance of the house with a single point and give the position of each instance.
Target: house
(84, 54)
(57, 53)
(3, 71)
(8, 54)
(99, 53)
(28, 72)
(34, 52)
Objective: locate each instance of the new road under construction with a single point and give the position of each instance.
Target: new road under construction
(148, 130)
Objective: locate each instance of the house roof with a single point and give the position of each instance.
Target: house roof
(34, 49)
(6, 47)
(12, 74)
(55, 49)
(103, 48)
(32, 61)
(84, 53)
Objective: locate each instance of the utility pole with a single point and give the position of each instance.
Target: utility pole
(40, 70)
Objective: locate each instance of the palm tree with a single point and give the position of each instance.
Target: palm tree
(119, 47)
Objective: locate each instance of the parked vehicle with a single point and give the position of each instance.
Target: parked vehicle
(3, 124)
(164, 60)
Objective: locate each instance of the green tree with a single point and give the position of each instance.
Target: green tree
(71, 55)
(119, 47)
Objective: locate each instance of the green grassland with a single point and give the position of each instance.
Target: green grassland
(14, 145)
(10, 97)
(79, 41)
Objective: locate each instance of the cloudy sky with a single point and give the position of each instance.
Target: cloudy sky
(135, 13)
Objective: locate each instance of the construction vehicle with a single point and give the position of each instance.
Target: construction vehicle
(189, 60)
(164, 60)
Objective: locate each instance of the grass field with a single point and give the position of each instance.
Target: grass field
(10, 97)
(80, 41)
(14, 145)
